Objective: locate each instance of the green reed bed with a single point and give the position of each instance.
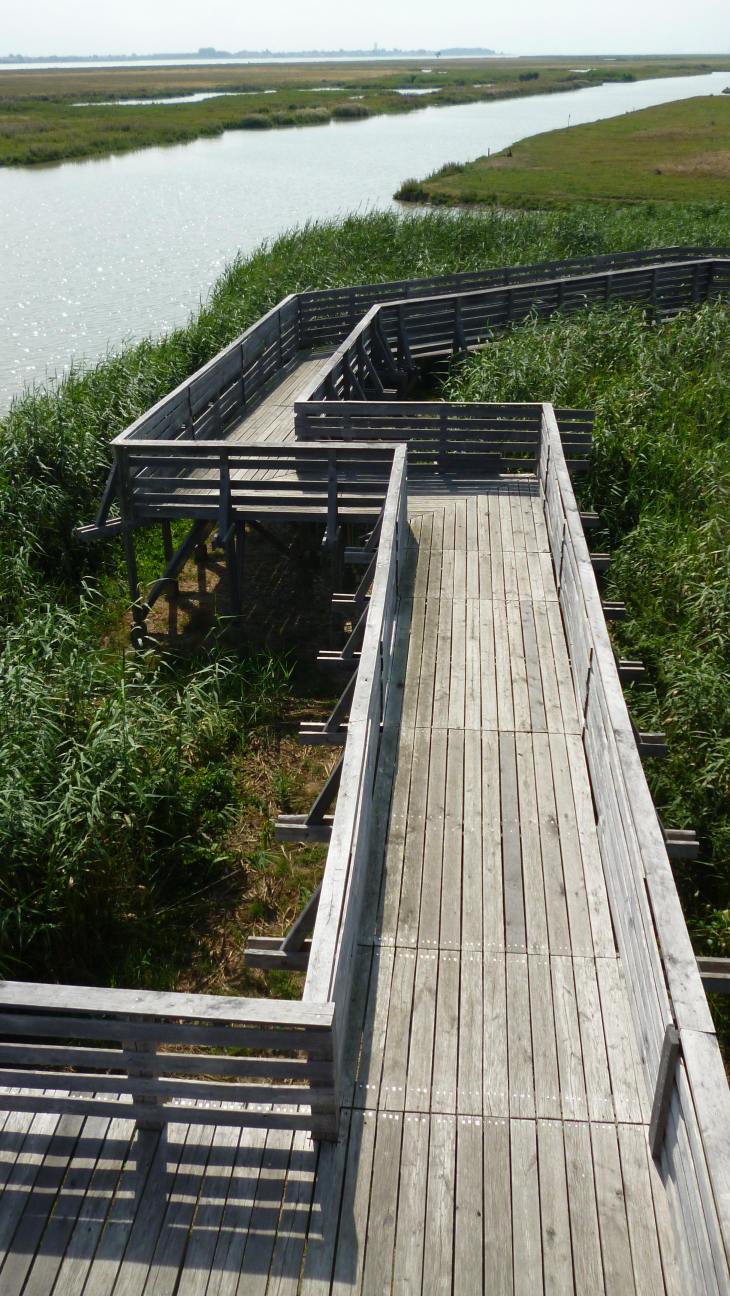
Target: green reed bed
(120, 775)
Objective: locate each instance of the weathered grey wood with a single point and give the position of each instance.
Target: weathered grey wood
(663, 1090)
(149, 1003)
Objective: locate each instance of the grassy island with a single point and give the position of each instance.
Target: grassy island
(675, 152)
(138, 792)
(53, 114)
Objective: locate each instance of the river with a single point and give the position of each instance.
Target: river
(97, 252)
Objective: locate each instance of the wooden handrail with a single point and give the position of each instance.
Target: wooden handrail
(450, 323)
(692, 1096)
(331, 959)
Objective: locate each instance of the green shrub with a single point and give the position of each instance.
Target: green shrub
(412, 191)
(344, 112)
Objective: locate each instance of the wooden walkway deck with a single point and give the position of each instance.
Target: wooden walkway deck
(271, 418)
(494, 1127)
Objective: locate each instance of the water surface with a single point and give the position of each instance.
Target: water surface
(97, 252)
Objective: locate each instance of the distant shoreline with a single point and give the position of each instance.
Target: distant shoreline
(205, 55)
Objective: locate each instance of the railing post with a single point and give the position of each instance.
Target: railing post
(459, 341)
(443, 459)
(663, 1091)
(332, 501)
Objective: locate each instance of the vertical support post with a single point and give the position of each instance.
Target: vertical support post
(663, 1091)
(443, 441)
(459, 340)
(654, 274)
(172, 588)
(134, 1068)
(239, 539)
(330, 538)
(710, 280)
(609, 286)
(167, 548)
(338, 561)
(134, 590)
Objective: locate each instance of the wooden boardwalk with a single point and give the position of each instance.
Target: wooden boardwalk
(271, 418)
(494, 1115)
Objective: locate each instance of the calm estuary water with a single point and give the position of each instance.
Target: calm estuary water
(98, 252)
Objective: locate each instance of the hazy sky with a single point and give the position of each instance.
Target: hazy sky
(513, 26)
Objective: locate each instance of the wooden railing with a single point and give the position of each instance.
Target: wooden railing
(328, 315)
(330, 970)
(81, 1050)
(690, 1130)
(463, 440)
(222, 480)
(219, 393)
(381, 355)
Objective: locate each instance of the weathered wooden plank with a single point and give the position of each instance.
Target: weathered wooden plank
(181, 1203)
(472, 865)
(488, 666)
(593, 1044)
(265, 1212)
(645, 1255)
(410, 896)
(43, 1268)
(544, 1045)
(527, 1235)
(554, 1209)
(498, 1220)
(408, 1260)
(552, 861)
(469, 1208)
(618, 1027)
(617, 1264)
(367, 1088)
(324, 1218)
(567, 1033)
(380, 1236)
(450, 935)
(423, 1026)
(430, 897)
(25, 1185)
(395, 1058)
(493, 910)
(439, 1233)
(514, 907)
(587, 1262)
(533, 883)
(519, 1037)
(446, 1035)
(350, 1248)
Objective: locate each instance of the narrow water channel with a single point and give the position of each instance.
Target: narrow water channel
(96, 252)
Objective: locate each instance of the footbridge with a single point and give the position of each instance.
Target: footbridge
(502, 1076)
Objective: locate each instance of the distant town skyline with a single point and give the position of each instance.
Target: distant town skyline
(86, 28)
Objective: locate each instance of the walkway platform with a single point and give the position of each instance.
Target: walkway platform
(494, 1120)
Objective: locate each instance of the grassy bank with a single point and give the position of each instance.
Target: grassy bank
(137, 795)
(677, 152)
(40, 120)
